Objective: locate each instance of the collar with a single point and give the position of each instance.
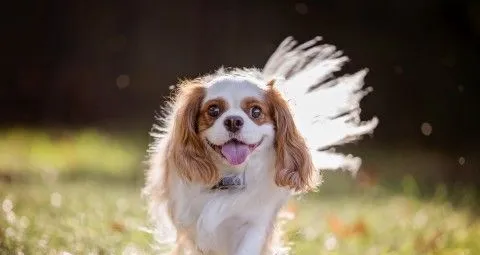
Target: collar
(232, 182)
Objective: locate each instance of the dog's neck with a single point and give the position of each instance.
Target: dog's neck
(231, 182)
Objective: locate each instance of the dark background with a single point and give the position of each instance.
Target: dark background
(108, 64)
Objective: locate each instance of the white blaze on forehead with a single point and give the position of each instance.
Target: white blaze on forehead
(234, 89)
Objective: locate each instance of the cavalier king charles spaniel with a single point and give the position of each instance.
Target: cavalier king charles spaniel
(232, 147)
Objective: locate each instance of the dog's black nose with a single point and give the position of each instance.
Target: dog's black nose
(233, 123)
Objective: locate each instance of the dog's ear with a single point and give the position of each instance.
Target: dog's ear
(187, 152)
(294, 167)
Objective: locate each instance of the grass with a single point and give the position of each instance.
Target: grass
(78, 218)
(367, 224)
(24, 153)
(88, 213)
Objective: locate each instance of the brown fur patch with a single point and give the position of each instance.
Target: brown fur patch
(186, 150)
(250, 102)
(204, 119)
(294, 166)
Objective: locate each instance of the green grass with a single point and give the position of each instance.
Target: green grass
(367, 224)
(26, 153)
(88, 213)
(79, 218)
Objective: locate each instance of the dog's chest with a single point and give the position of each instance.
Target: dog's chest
(211, 207)
(201, 206)
(218, 220)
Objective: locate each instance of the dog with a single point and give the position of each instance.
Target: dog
(233, 146)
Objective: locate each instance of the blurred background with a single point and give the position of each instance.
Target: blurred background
(82, 80)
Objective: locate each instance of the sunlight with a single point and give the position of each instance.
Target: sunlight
(326, 109)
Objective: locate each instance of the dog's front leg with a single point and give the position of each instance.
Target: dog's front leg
(254, 242)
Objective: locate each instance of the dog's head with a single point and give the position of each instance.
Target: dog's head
(225, 120)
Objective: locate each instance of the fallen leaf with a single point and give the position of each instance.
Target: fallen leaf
(343, 230)
(118, 227)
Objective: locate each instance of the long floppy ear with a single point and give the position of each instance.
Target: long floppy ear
(294, 167)
(187, 152)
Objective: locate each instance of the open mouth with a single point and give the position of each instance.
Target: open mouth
(234, 151)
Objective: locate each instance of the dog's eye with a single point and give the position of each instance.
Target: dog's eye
(214, 110)
(255, 112)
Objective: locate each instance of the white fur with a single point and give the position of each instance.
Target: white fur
(237, 222)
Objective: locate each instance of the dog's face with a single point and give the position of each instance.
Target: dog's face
(226, 121)
(235, 120)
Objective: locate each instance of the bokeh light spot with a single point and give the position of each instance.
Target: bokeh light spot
(9, 232)
(426, 129)
(11, 218)
(123, 81)
(398, 70)
(330, 243)
(301, 8)
(56, 200)
(7, 205)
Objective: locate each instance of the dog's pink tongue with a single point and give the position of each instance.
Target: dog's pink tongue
(235, 152)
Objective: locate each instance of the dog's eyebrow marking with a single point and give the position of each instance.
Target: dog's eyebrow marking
(220, 102)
